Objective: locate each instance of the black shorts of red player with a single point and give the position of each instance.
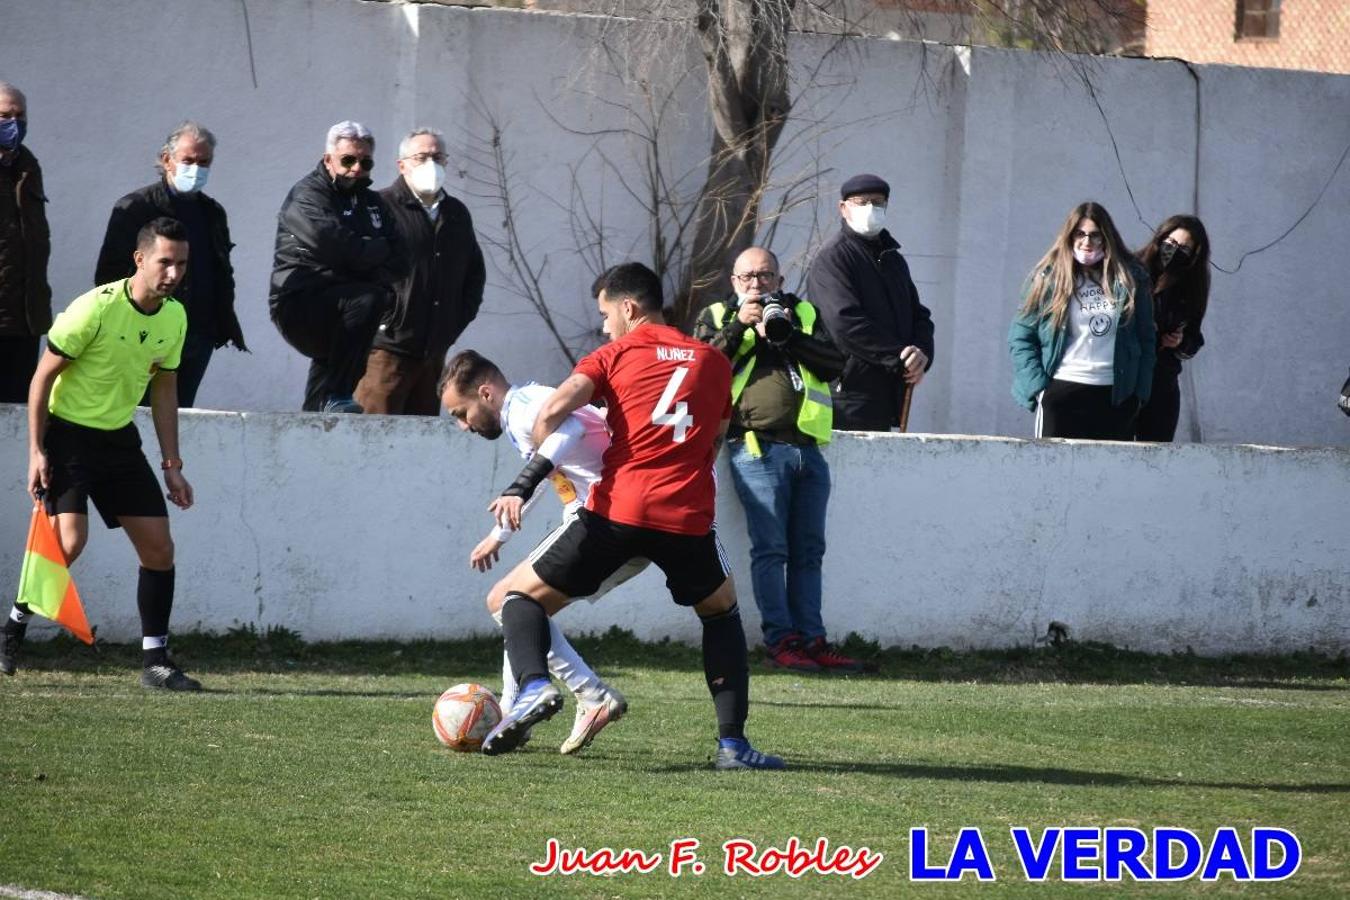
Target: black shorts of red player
(592, 548)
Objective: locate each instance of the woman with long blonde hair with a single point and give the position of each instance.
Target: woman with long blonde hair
(1083, 342)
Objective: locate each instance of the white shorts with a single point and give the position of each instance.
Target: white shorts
(625, 572)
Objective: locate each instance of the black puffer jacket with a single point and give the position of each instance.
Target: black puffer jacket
(131, 213)
(443, 289)
(327, 237)
(864, 292)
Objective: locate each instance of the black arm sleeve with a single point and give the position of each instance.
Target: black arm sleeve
(530, 477)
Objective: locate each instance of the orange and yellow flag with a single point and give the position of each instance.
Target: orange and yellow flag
(45, 583)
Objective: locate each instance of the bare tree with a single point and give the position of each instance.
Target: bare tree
(745, 53)
(744, 44)
(520, 268)
(745, 50)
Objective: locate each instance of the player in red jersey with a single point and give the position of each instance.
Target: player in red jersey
(669, 402)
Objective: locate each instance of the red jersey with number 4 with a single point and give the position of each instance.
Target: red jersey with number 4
(668, 396)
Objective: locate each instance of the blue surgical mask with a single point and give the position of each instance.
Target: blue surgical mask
(189, 178)
(11, 133)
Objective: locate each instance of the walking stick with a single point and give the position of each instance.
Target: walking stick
(904, 408)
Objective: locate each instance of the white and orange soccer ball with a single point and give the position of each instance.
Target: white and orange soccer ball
(464, 715)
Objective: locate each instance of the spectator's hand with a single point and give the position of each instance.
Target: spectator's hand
(914, 362)
(39, 473)
(180, 492)
(506, 510)
(485, 554)
(1173, 339)
(751, 312)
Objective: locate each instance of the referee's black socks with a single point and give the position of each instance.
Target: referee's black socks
(154, 599)
(726, 666)
(525, 629)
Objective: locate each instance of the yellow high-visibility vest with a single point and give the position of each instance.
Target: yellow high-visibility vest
(815, 416)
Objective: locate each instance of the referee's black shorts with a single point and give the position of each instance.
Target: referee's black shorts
(579, 557)
(106, 466)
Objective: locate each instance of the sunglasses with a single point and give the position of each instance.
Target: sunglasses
(1094, 238)
(1179, 249)
(365, 163)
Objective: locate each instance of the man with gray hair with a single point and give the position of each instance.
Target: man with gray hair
(207, 292)
(439, 296)
(25, 245)
(337, 258)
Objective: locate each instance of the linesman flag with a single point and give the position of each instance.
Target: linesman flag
(45, 583)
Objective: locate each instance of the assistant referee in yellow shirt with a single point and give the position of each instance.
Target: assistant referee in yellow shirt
(82, 444)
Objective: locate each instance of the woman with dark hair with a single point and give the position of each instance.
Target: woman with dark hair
(1083, 341)
(1177, 260)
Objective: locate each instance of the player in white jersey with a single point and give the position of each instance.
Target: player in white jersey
(478, 396)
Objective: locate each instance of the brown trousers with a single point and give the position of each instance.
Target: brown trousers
(398, 386)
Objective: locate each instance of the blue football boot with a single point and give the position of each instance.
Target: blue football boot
(537, 701)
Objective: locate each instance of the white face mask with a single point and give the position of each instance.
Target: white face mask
(427, 178)
(867, 220)
(189, 178)
(1089, 257)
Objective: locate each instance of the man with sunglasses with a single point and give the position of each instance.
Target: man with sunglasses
(862, 287)
(781, 417)
(338, 256)
(441, 293)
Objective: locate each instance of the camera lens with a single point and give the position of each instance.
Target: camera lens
(777, 321)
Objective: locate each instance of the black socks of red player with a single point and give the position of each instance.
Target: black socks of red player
(726, 666)
(525, 629)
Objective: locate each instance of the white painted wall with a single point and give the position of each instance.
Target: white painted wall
(986, 151)
(355, 527)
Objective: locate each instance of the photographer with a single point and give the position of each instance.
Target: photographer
(782, 360)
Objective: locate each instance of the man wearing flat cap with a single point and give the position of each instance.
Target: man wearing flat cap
(861, 285)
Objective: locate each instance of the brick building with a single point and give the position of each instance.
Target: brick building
(1276, 34)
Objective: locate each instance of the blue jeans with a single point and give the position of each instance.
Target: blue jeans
(784, 492)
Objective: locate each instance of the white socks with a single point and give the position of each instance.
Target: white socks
(564, 664)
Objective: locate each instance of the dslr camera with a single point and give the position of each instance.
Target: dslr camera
(777, 318)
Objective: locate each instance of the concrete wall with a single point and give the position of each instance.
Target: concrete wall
(986, 150)
(351, 527)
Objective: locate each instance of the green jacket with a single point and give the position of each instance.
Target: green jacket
(1037, 348)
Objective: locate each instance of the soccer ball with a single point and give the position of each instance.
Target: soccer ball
(464, 715)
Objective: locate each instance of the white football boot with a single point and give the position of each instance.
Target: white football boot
(593, 716)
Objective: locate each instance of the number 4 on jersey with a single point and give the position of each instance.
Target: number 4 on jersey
(668, 412)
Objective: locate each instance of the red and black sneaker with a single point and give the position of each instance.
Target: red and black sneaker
(789, 654)
(831, 660)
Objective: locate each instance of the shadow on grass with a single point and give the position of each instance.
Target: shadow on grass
(278, 650)
(1017, 774)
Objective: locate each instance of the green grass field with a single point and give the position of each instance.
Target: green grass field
(312, 771)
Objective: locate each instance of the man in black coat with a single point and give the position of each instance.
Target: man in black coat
(861, 285)
(439, 296)
(208, 290)
(337, 258)
(25, 246)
